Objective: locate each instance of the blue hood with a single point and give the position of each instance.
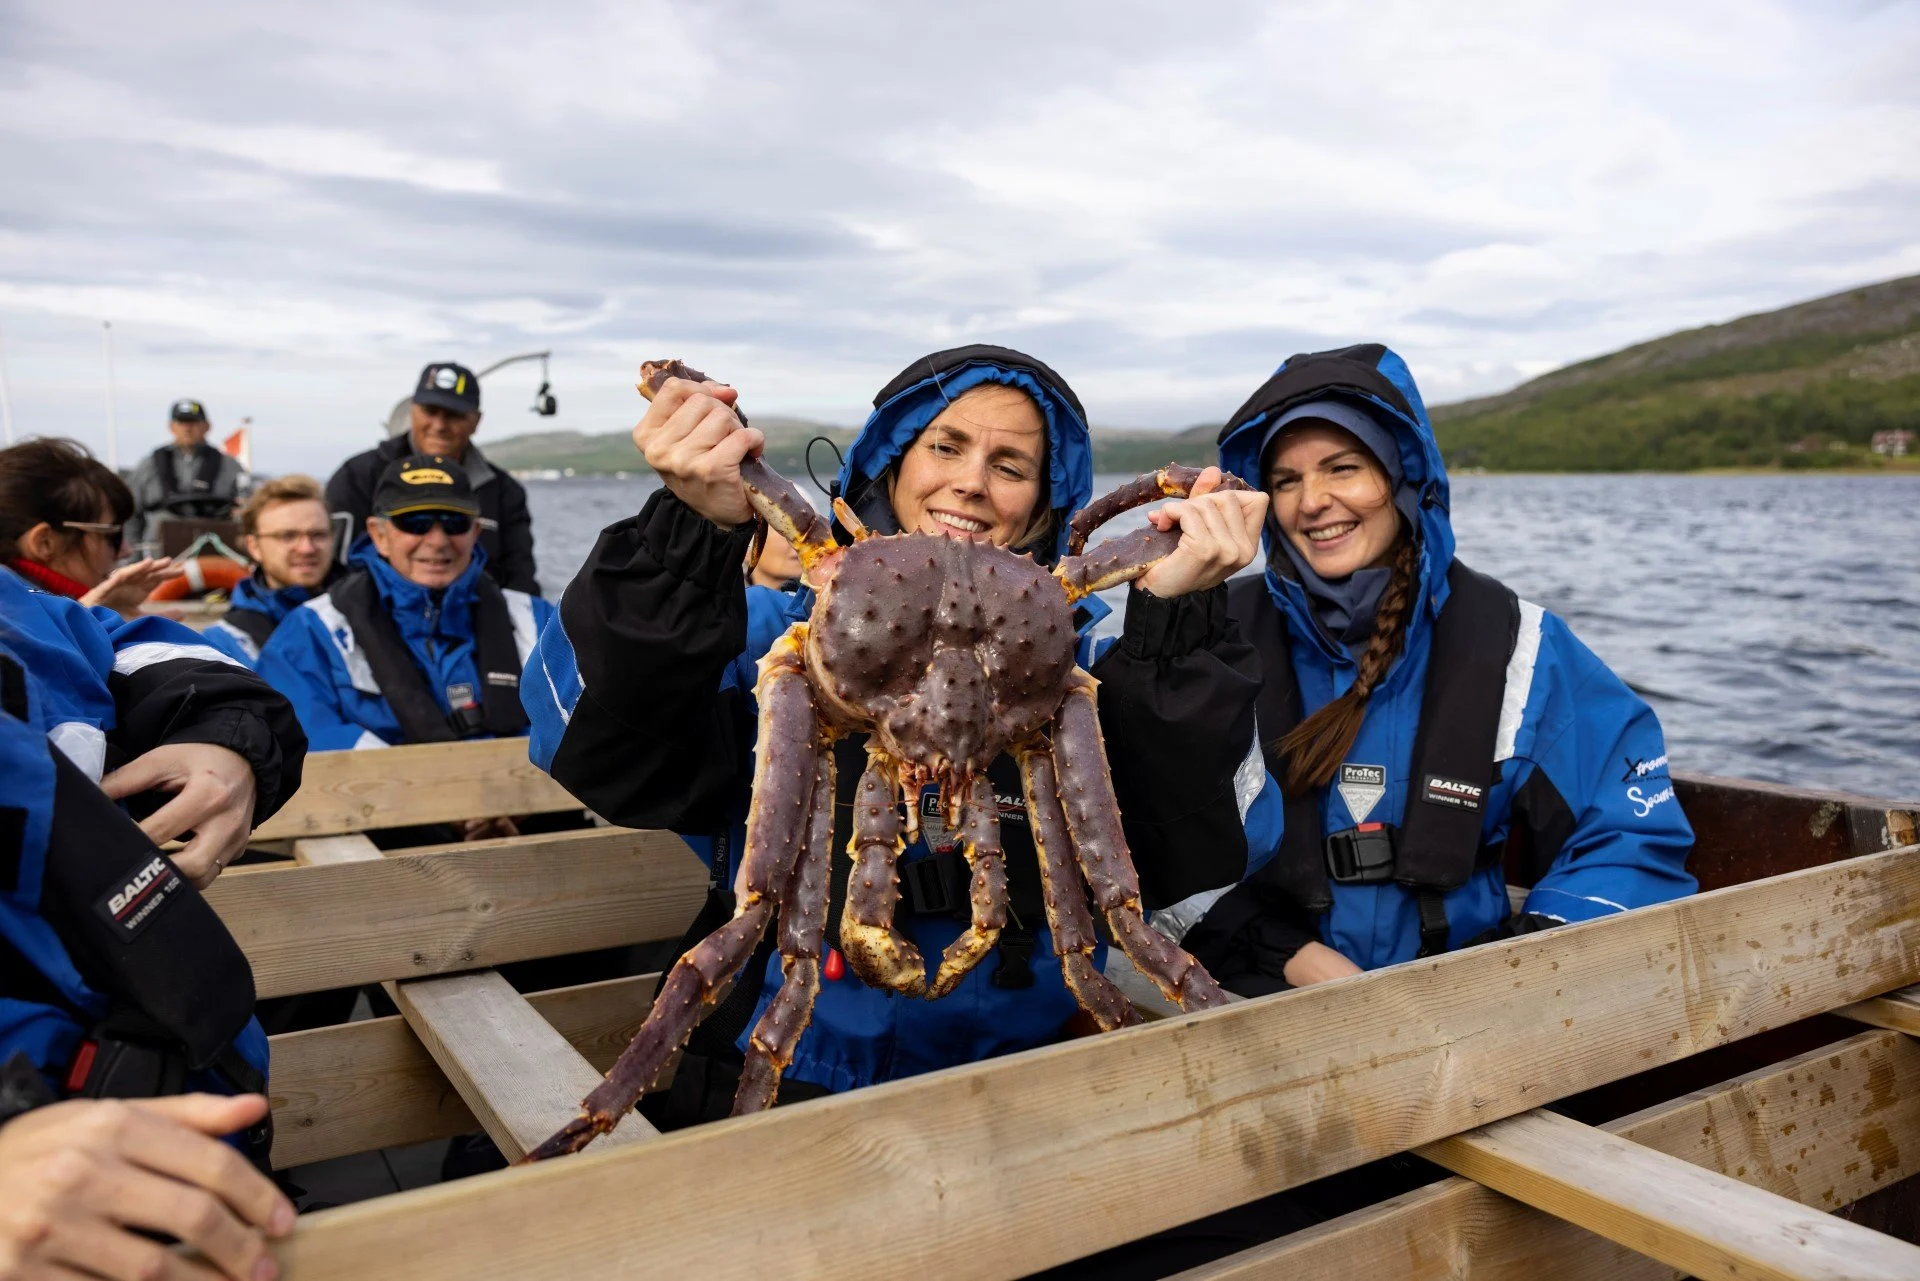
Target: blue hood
(414, 609)
(915, 398)
(1377, 379)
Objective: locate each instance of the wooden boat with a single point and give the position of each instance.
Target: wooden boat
(1733, 1088)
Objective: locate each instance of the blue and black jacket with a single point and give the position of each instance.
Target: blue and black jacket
(359, 680)
(115, 977)
(1578, 775)
(641, 699)
(254, 610)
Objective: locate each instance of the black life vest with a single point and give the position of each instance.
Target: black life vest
(403, 684)
(254, 625)
(205, 498)
(1453, 770)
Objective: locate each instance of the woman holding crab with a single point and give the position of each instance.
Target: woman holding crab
(647, 713)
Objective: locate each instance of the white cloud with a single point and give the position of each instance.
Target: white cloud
(286, 215)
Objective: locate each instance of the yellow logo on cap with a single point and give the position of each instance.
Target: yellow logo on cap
(425, 476)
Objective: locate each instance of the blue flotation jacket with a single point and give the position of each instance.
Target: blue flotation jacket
(377, 660)
(1398, 858)
(1013, 1000)
(116, 978)
(254, 610)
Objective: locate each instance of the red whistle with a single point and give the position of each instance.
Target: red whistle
(834, 966)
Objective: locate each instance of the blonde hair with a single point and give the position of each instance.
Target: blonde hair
(292, 488)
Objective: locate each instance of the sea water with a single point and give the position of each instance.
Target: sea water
(1773, 622)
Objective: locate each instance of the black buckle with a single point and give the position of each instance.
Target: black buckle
(1362, 855)
(1015, 971)
(937, 885)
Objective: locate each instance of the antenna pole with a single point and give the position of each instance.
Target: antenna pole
(113, 413)
(6, 395)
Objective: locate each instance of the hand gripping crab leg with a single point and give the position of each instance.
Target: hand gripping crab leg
(1093, 821)
(803, 928)
(1068, 920)
(980, 842)
(878, 953)
(775, 498)
(784, 784)
(1122, 559)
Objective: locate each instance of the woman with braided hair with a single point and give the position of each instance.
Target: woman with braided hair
(1422, 733)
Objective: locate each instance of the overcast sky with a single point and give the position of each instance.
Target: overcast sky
(286, 208)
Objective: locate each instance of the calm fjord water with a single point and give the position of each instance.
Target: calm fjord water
(1772, 621)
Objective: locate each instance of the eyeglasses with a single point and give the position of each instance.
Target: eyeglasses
(288, 537)
(455, 523)
(110, 532)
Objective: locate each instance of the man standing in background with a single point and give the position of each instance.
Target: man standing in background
(188, 478)
(445, 414)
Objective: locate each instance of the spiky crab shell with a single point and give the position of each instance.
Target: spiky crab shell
(947, 652)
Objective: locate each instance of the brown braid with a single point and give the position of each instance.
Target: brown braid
(1317, 745)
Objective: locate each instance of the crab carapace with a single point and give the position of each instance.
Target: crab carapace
(945, 653)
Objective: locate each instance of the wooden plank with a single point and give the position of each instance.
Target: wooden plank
(1080, 1146)
(322, 851)
(458, 907)
(518, 1075)
(424, 783)
(1898, 1011)
(1801, 1128)
(358, 1086)
(1700, 1221)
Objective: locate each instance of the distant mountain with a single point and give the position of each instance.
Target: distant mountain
(1804, 386)
(603, 454)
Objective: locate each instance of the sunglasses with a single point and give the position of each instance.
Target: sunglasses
(455, 523)
(110, 532)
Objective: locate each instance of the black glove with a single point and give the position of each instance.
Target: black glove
(1515, 925)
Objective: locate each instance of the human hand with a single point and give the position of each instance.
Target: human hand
(486, 829)
(77, 1177)
(1219, 535)
(692, 438)
(1316, 963)
(213, 797)
(124, 589)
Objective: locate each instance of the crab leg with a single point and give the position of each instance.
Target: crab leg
(1068, 920)
(803, 926)
(879, 954)
(1171, 481)
(981, 844)
(776, 499)
(1093, 820)
(783, 785)
(1122, 559)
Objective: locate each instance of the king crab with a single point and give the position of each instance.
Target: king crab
(945, 653)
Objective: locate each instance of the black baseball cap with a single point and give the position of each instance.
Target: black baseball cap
(189, 411)
(424, 483)
(448, 386)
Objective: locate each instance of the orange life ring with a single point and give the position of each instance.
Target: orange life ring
(204, 574)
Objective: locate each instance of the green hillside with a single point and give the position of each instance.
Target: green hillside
(1805, 386)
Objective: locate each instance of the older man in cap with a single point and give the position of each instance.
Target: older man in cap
(445, 414)
(415, 644)
(188, 478)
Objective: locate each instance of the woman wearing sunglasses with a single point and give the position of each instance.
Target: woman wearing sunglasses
(416, 644)
(62, 517)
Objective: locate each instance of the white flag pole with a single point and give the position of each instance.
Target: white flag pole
(113, 415)
(6, 394)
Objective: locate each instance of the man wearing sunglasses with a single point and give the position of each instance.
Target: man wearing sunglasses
(446, 413)
(415, 644)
